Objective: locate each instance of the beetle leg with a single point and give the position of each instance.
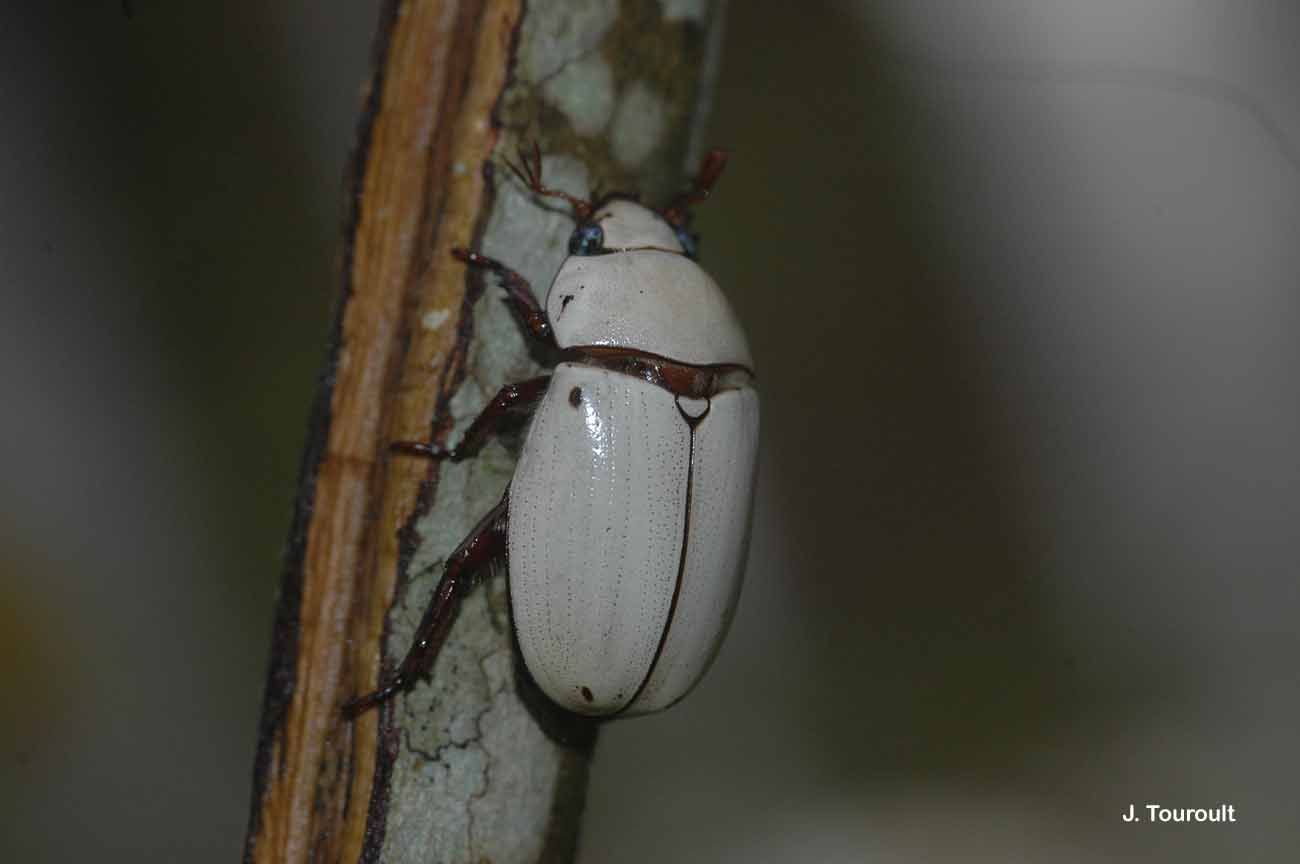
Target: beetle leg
(510, 398)
(529, 172)
(485, 542)
(677, 212)
(518, 293)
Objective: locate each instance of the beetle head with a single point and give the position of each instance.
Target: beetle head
(621, 224)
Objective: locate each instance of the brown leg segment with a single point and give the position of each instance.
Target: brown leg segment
(517, 290)
(529, 172)
(485, 542)
(710, 170)
(522, 396)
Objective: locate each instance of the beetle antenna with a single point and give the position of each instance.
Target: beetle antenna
(711, 167)
(529, 172)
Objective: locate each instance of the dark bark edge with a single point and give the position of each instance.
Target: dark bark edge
(281, 679)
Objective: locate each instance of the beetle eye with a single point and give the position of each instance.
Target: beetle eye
(690, 242)
(587, 239)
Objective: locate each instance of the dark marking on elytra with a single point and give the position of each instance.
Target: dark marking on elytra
(586, 694)
(575, 397)
(565, 301)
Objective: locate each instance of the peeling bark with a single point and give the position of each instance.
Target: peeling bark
(473, 764)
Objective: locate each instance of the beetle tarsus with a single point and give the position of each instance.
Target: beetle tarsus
(468, 256)
(356, 707)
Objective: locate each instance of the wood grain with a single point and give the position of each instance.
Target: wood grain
(315, 771)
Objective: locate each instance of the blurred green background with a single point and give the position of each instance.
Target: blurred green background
(1021, 282)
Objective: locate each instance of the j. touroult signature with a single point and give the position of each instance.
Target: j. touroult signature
(1161, 813)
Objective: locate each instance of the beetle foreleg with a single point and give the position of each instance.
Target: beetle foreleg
(518, 292)
(485, 542)
(511, 398)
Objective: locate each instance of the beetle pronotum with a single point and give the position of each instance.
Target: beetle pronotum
(626, 523)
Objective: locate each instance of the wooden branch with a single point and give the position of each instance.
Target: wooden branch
(472, 765)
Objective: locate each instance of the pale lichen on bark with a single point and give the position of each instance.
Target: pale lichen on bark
(584, 66)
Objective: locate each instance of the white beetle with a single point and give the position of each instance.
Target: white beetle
(626, 522)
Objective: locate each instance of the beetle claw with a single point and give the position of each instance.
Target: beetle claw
(354, 708)
(474, 259)
(421, 448)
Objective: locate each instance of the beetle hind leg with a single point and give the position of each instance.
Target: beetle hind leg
(485, 542)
